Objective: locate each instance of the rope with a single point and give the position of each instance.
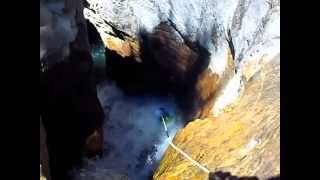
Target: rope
(183, 153)
(165, 126)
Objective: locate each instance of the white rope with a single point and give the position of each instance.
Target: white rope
(164, 124)
(188, 157)
(183, 153)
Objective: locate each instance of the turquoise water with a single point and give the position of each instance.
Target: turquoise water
(99, 58)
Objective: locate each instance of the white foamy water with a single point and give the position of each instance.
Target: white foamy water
(135, 139)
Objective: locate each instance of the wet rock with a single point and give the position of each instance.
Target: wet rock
(71, 112)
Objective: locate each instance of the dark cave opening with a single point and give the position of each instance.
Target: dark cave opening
(167, 67)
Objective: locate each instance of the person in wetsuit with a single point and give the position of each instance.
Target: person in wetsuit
(164, 113)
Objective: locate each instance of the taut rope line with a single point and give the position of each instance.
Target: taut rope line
(181, 152)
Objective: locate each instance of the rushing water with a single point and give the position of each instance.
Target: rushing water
(134, 136)
(135, 139)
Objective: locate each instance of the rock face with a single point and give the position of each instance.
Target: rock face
(57, 30)
(244, 141)
(71, 113)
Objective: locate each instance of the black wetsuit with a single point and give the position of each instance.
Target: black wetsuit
(164, 113)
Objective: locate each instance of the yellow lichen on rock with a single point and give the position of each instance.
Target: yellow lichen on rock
(244, 141)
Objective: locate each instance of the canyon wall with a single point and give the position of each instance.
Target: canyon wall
(71, 114)
(227, 54)
(232, 39)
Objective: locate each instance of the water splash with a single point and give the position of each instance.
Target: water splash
(135, 140)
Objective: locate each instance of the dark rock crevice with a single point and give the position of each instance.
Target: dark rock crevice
(168, 66)
(71, 111)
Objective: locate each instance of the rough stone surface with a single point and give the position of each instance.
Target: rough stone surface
(245, 140)
(57, 30)
(71, 112)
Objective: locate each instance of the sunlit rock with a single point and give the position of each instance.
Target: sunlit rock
(245, 140)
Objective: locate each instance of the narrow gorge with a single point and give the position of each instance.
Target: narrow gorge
(115, 74)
